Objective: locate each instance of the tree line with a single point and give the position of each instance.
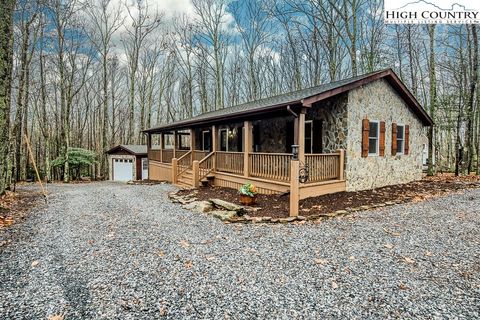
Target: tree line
(94, 73)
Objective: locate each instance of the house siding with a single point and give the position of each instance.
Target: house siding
(379, 101)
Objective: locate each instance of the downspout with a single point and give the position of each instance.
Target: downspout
(291, 111)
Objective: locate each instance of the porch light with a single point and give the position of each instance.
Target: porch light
(294, 151)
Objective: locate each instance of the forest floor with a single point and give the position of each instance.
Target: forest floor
(277, 206)
(117, 251)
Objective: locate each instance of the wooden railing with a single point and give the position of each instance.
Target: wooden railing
(180, 153)
(155, 155)
(273, 166)
(323, 167)
(205, 166)
(184, 163)
(199, 154)
(167, 155)
(231, 162)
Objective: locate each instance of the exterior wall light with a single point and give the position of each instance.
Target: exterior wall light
(294, 151)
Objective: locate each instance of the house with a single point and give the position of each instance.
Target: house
(359, 133)
(128, 162)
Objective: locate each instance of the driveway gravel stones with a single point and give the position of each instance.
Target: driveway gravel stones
(118, 251)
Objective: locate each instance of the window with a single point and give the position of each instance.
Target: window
(308, 136)
(224, 140)
(144, 164)
(400, 138)
(206, 144)
(373, 136)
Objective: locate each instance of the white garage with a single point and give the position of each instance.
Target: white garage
(127, 162)
(123, 169)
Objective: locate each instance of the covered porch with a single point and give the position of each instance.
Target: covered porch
(280, 152)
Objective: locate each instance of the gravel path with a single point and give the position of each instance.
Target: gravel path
(115, 251)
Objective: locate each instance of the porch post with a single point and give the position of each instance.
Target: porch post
(162, 146)
(196, 173)
(247, 146)
(341, 164)
(214, 145)
(301, 135)
(294, 188)
(192, 145)
(174, 144)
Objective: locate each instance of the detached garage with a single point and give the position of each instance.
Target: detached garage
(128, 162)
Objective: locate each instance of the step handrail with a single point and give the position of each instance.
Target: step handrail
(205, 171)
(184, 167)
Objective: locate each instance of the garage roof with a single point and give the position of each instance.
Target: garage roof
(135, 149)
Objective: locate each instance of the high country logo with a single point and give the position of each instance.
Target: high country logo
(426, 12)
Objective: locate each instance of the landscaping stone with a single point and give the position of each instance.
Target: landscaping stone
(223, 215)
(221, 204)
(199, 206)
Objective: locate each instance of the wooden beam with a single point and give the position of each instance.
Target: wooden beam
(301, 135)
(294, 188)
(174, 143)
(247, 145)
(341, 164)
(214, 146)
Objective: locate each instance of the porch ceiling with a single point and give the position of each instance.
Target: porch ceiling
(305, 97)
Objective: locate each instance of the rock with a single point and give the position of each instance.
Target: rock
(199, 206)
(313, 216)
(301, 218)
(266, 219)
(338, 212)
(252, 209)
(221, 204)
(224, 215)
(389, 203)
(287, 220)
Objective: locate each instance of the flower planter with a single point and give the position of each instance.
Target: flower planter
(247, 200)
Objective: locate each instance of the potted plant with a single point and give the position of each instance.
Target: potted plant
(248, 194)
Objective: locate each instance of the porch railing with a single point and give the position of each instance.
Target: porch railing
(155, 154)
(205, 166)
(184, 163)
(167, 155)
(323, 167)
(199, 154)
(274, 166)
(230, 162)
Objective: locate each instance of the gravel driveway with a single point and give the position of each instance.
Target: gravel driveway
(116, 251)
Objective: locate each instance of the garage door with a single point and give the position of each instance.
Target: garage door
(122, 169)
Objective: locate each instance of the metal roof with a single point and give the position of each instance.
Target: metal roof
(292, 98)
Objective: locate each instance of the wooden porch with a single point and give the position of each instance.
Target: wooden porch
(272, 173)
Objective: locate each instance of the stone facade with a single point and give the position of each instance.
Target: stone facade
(379, 101)
(334, 117)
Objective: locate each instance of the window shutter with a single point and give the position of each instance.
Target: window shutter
(365, 132)
(407, 140)
(394, 139)
(382, 139)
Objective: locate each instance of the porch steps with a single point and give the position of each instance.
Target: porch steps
(185, 179)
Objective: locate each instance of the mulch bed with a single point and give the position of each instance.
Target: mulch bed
(277, 206)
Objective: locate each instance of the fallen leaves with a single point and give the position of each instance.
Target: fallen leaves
(184, 244)
(402, 286)
(321, 261)
(395, 234)
(334, 285)
(388, 246)
(428, 253)
(188, 264)
(161, 253)
(35, 263)
(56, 317)
(408, 260)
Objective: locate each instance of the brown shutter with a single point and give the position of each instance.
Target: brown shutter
(382, 139)
(394, 139)
(365, 133)
(407, 140)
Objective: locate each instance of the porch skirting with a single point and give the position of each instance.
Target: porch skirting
(159, 171)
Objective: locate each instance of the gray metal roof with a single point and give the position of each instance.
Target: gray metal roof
(137, 149)
(266, 104)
